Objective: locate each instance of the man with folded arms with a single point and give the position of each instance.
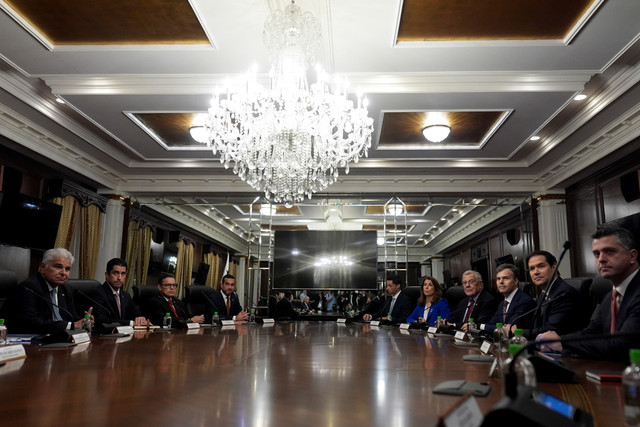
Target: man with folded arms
(516, 303)
(397, 307)
(557, 306)
(166, 302)
(479, 305)
(226, 303)
(616, 254)
(116, 305)
(43, 304)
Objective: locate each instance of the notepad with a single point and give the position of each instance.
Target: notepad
(605, 375)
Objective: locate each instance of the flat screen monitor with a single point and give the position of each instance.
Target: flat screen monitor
(28, 222)
(325, 260)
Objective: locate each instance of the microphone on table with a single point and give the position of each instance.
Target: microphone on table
(213, 304)
(565, 248)
(47, 300)
(111, 325)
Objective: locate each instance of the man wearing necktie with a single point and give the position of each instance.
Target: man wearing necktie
(226, 302)
(166, 302)
(396, 307)
(43, 304)
(116, 305)
(616, 254)
(479, 304)
(558, 304)
(515, 304)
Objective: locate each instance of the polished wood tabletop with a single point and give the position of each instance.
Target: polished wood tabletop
(293, 374)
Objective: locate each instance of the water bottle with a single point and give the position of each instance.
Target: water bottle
(497, 339)
(439, 322)
(3, 333)
(631, 386)
(86, 324)
(523, 368)
(519, 339)
(166, 321)
(471, 325)
(389, 317)
(252, 315)
(216, 319)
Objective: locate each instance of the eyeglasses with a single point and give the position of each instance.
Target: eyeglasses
(169, 285)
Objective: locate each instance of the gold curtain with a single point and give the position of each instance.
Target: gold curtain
(213, 260)
(91, 232)
(68, 221)
(138, 254)
(233, 268)
(184, 266)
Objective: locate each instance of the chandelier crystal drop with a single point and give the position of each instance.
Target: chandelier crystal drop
(289, 139)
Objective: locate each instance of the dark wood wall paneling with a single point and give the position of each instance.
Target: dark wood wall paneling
(481, 250)
(595, 200)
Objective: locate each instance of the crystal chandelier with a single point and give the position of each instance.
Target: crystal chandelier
(290, 138)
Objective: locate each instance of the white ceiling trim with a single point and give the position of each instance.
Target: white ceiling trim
(197, 84)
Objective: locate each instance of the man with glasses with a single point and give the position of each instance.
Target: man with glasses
(166, 302)
(115, 304)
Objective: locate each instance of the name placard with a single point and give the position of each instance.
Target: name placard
(12, 352)
(460, 335)
(80, 337)
(268, 320)
(125, 329)
(341, 321)
(375, 323)
(404, 326)
(124, 339)
(228, 323)
(485, 348)
(465, 412)
(192, 325)
(432, 330)
(194, 331)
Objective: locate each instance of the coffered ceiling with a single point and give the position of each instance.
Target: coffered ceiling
(133, 75)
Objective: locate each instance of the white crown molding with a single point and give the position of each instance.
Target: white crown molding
(460, 82)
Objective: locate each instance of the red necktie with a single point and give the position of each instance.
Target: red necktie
(504, 311)
(228, 305)
(472, 302)
(173, 308)
(614, 309)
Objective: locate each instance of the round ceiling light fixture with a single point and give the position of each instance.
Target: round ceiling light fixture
(436, 133)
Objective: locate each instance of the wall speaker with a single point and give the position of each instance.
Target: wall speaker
(630, 186)
(513, 236)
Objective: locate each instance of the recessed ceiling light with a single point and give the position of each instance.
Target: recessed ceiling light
(535, 138)
(59, 100)
(580, 97)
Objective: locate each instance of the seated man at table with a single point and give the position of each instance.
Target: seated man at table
(166, 302)
(616, 254)
(43, 304)
(479, 304)
(396, 307)
(226, 302)
(516, 304)
(115, 304)
(557, 304)
(284, 308)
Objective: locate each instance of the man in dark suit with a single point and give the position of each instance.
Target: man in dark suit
(515, 304)
(166, 302)
(478, 305)
(558, 301)
(616, 254)
(284, 308)
(396, 307)
(43, 304)
(116, 305)
(226, 302)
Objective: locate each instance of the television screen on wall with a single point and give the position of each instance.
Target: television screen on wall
(325, 260)
(28, 222)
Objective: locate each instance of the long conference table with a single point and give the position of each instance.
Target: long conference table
(286, 374)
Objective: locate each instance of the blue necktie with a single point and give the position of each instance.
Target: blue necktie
(56, 312)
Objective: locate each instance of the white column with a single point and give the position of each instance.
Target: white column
(111, 235)
(437, 268)
(425, 270)
(552, 228)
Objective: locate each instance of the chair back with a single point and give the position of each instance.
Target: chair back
(454, 295)
(142, 295)
(586, 307)
(83, 290)
(195, 297)
(8, 283)
(413, 292)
